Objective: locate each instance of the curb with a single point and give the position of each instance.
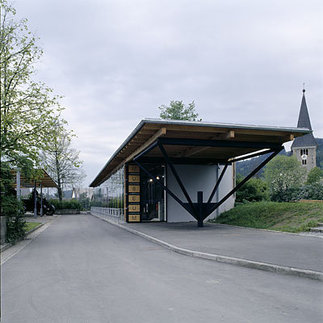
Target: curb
(299, 234)
(34, 229)
(5, 247)
(316, 275)
(8, 245)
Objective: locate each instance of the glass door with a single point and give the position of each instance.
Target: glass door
(152, 194)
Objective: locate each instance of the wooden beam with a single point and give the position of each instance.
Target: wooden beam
(161, 132)
(195, 150)
(184, 128)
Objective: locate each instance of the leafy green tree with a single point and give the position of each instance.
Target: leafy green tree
(29, 110)
(178, 111)
(314, 175)
(62, 162)
(284, 173)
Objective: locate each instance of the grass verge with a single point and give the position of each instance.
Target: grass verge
(30, 225)
(288, 217)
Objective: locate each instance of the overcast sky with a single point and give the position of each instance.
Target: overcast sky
(116, 61)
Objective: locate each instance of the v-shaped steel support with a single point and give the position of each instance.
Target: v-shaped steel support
(201, 210)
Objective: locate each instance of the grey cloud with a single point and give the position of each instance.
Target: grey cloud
(117, 61)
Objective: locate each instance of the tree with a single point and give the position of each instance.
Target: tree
(62, 161)
(314, 175)
(29, 110)
(284, 173)
(177, 111)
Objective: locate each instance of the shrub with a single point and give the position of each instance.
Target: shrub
(314, 176)
(286, 195)
(99, 203)
(306, 192)
(254, 190)
(115, 202)
(69, 204)
(311, 192)
(85, 204)
(11, 208)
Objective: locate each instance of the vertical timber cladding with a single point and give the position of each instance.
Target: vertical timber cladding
(133, 196)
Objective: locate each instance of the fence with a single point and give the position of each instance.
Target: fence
(114, 214)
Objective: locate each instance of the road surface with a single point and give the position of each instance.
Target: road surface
(81, 269)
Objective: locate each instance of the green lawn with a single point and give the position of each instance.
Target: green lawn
(31, 225)
(289, 217)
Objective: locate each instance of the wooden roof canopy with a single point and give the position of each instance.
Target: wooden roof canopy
(45, 180)
(190, 133)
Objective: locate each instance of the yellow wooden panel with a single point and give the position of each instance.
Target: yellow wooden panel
(134, 217)
(134, 207)
(134, 178)
(133, 198)
(125, 197)
(134, 189)
(133, 169)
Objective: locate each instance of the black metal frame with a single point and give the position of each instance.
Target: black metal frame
(200, 210)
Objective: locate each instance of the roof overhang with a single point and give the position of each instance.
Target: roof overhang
(43, 180)
(190, 142)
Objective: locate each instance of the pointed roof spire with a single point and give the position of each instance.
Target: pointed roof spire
(304, 118)
(304, 122)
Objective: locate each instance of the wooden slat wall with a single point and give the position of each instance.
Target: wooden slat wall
(132, 210)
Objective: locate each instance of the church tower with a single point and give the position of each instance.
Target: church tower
(304, 148)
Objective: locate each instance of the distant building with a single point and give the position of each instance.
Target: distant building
(304, 148)
(86, 192)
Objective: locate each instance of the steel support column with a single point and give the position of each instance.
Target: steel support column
(35, 201)
(18, 184)
(200, 209)
(41, 200)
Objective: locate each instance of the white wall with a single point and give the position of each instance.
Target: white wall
(197, 178)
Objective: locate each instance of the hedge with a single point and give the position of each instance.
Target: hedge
(69, 204)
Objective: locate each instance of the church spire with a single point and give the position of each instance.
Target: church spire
(304, 122)
(304, 118)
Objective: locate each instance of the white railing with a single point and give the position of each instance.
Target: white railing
(107, 211)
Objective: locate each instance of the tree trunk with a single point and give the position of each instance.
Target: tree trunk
(60, 193)
(59, 184)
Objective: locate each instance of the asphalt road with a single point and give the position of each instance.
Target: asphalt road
(81, 269)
